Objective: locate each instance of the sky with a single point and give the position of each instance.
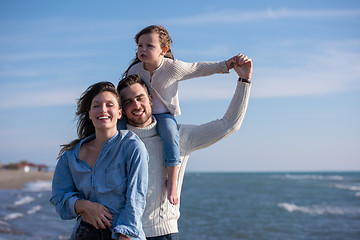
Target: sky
(304, 107)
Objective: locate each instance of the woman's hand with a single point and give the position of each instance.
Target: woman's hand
(94, 213)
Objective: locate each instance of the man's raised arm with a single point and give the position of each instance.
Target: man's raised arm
(194, 137)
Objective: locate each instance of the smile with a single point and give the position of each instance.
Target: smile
(138, 113)
(103, 117)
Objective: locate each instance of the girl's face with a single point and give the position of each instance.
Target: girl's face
(104, 110)
(149, 48)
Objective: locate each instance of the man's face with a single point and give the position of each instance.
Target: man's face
(137, 105)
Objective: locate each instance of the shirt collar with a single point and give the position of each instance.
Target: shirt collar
(91, 137)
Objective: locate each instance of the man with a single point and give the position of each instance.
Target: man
(160, 217)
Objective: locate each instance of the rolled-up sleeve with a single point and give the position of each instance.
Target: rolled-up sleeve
(64, 192)
(129, 221)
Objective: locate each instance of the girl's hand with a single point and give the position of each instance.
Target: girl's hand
(230, 63)
(94, 213)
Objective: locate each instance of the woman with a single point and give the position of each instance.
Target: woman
(102, 176)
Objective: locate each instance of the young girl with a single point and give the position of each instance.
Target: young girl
(102, 176)
(157, 67)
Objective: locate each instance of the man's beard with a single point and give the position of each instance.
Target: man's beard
(139, 122)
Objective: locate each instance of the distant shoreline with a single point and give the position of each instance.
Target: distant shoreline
(17, 179)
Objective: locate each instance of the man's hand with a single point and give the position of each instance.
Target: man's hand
(94, 213)
(123, 237)
(243, 66)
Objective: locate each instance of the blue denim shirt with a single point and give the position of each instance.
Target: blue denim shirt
(118, 181)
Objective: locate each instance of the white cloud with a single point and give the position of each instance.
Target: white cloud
(215, 51)
(240, 15)
(38, 98)
(219, 86)
(45, 55)
(285, 13)
(329, 68)
(64, 31)
(325, 71)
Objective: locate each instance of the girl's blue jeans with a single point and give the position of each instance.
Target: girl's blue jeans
(168, 132)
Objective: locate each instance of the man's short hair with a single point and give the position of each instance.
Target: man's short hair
(131, 80)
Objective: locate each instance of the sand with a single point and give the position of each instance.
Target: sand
(17, 179)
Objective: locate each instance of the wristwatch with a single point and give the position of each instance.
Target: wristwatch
(244, 80)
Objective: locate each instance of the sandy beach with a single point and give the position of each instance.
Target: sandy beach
(17, 179)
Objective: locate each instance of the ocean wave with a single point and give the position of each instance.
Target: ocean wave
(347, 187)
(313, 177)
(12, 216)
(33, 210)
(5, 227)
(38, 186)
(24, 200)
(63, 237)
(319, 210)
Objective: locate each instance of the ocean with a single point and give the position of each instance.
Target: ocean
(227, 206)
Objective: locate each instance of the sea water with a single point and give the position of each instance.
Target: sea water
(220, 206)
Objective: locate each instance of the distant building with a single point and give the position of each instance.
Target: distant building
(27, 166)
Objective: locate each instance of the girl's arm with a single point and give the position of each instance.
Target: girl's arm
(129, 221)
(184, 70)
(64, 192)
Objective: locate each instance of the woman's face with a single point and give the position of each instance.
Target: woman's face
(104, 110)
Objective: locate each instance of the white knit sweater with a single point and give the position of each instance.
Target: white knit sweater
(163, 85)
(160, 217)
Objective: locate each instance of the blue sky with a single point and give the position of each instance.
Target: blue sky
(303, 113)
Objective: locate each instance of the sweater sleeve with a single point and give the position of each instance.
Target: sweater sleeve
(194, 137)
(183, 70)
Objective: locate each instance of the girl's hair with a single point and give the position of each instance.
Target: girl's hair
(165, 41)
(85, 126)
